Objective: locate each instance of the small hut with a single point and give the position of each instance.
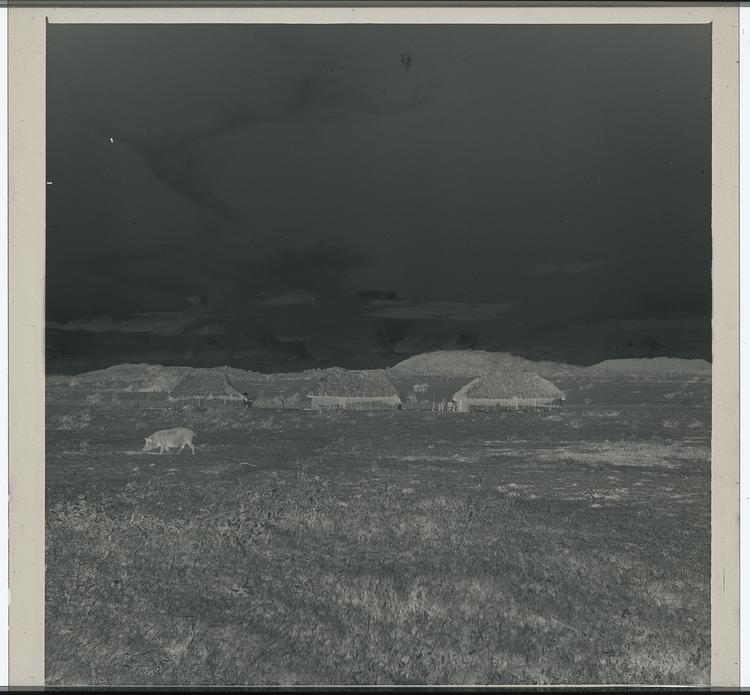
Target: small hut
(355, 390)
(204, 389)
(507, 390)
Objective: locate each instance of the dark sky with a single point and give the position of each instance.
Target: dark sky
(283, 197)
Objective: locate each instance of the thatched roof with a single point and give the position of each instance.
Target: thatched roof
(248, 386)
(205, 385)
(146, 396)
(343, 382)
(509, 384)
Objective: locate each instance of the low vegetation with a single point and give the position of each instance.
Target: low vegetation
(379, 548)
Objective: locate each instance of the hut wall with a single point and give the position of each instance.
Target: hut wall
(355, 402)
(207, 401)
(142, 399)
(466, 405)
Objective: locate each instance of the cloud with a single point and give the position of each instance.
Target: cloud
(678, 322)
(384, 295)
(210, 329)
(164, 323)
(570, 266)
(290, 298)
(415, 344)
(287, 349)
(447, 311)
(292, 338)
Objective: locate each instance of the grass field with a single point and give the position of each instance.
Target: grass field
(386, 548)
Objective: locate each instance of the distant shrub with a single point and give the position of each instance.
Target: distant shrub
(94, 398)
(182, 407)
(115, 400)
(331, 413)
(268, 423)
(75, 421)
(607, 413)
(673, 424)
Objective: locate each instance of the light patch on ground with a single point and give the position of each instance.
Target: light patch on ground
(629, 454)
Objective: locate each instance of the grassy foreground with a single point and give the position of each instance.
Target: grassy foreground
(379, 548)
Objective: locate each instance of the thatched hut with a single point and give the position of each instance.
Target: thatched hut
(204, 389)
(507, 390)
(355, 390)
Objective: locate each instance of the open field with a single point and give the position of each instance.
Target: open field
(386, 547)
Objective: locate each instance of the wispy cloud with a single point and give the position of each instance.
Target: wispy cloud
(447, 311)
(414, 344)
(210, 329)
(292, 338)
(161, 323)
(571, 266)
(165, 323)
(289, 299)
(655, 324)
(369, 295)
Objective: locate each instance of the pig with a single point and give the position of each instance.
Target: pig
(167, 439)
